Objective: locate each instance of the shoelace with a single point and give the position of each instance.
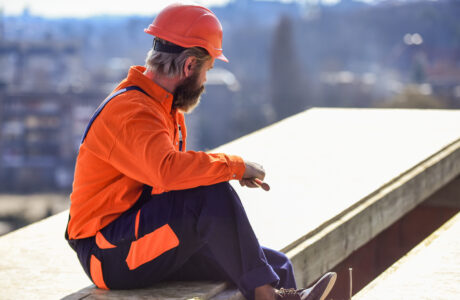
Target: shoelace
(287, 292)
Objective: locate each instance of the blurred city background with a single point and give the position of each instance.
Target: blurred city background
(285, 57)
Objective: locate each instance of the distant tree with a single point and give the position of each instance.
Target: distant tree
(418, 68)
(411, 97)
(285, 77)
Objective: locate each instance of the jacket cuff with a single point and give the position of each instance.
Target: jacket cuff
(237, 167)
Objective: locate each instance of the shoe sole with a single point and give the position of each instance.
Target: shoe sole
(329, 287)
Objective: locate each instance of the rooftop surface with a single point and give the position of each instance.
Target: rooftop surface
(338, 177)
(322, 161)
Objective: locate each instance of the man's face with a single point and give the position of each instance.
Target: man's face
(187, 94)
(208, 65)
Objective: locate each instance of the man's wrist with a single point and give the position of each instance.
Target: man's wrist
(237, 167)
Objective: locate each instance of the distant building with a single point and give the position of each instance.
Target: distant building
(43, 111)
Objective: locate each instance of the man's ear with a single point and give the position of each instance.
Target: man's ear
(189, 65)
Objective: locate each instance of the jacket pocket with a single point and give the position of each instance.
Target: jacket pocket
(150, 246)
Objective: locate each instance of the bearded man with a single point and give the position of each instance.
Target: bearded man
(143, 208)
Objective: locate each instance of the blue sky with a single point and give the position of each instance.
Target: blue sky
(84, 8)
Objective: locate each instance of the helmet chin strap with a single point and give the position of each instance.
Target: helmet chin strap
(172, 48)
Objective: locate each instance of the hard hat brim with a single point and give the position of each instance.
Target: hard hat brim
(154, 31)
(222, 57)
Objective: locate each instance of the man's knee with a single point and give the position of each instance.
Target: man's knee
(219, 201)
(216, 197)
(221, 191)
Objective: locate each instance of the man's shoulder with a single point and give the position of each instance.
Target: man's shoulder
(134, 102)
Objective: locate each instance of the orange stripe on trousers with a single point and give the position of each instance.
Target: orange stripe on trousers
(102, 243)
(96, 273)
(136, 225)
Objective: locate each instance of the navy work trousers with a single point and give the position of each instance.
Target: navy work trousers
(209, 238)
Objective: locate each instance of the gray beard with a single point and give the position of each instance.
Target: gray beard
(187, 94)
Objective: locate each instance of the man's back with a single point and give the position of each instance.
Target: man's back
(106, 181)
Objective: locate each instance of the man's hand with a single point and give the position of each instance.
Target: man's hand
(253, 176)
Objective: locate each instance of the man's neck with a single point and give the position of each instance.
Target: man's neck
(167, 83)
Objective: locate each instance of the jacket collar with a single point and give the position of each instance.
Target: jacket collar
(136, 77)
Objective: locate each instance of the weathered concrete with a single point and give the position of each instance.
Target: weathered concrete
(448, 196)
(169, 290)
(363, 221)
(37, 263)
(338, 177)
(341, 176)
(429, 271)
(377, 255)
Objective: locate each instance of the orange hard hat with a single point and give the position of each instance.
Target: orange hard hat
(189, 26)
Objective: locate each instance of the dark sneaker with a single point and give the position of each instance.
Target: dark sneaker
(318, 291)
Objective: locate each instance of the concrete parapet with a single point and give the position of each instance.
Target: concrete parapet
(341, 176)
(338, 177)
(348, 231)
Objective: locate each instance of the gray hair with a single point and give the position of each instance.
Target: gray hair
(172, 64)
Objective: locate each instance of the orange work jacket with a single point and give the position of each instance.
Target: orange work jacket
(135, 142)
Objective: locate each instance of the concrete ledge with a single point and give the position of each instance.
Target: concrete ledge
(335, 240)
(168, 290)
(338, 178)
(37, 263)
(429, 271)
(447, 197)
(341, 176)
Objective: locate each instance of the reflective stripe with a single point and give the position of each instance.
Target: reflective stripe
(180, 139)
(103, 104)
(136, 225)
(96, 273)
(150, 246)
(102, 243)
